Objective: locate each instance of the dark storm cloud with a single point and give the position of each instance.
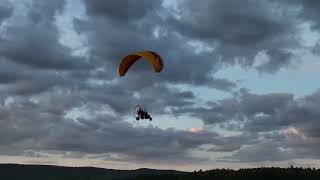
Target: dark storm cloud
(301, 113)
(233, 143)
(278, 59)
(186, 94)
(276, 126)
(162, 96)
(122, 100)
(31, 125)
(36, 42)
(253, 107)
(264, 151)
(110, 45)
(290, 143)
(5, 12)
(32, 58)
(45, 10)
(309, 10)
(252, 104)
(247, 23)
(38, 47)
(297, 123)
(307, 109)
(20, 80)
(121, 10)
(38, 83)
(316, 49)
(240, 30)
(10, 72)
(142, 143)
(214, 114)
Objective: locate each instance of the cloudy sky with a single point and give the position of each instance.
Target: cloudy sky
(239, 86)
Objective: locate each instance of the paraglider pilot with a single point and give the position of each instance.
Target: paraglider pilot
(142, 113)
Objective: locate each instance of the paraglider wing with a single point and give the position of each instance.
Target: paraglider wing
(130, 59)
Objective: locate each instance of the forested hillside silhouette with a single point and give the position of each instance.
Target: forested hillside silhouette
(46, 172)
(273, 173)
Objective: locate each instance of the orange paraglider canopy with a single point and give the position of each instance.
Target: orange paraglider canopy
(130, 59)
